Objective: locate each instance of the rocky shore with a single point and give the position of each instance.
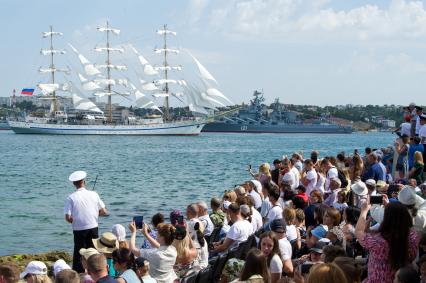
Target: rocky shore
(48, 258)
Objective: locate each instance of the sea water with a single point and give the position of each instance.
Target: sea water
(135, 175)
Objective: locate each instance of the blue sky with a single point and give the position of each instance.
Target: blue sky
(304, 52)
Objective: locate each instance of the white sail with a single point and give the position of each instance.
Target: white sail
(203, 71)
(149, 86)
(52, 51)
(214, 92)
(149, 70)
(169, 50)
(48, 88)
(210, 99)
(142, 59)
(102, 94)
(51, 70)
(82, 103)
(111, 66)
(142, 101)
(164, 81)
(165, 31)
(49, 33)
(198, 109)
(168, 68)
(104, 82)
(89, 68)
(123, 82)
(113, 30)
(161, 94)
(101, 49)
(88, 85)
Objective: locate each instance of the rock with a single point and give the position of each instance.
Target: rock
(48, 258)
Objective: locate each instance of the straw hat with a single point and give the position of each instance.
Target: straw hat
(106, 244)
(359, 188)
(86, 253)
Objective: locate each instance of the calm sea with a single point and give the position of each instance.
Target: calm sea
(136, 175)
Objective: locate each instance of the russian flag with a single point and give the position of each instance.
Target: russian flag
(27, 91)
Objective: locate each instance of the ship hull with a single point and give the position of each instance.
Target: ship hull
(186, 128)
(218, 127)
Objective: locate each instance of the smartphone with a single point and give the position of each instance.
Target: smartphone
(376, 199)
(304, 268)
(249, 166)
(180, 220)
(138, 222)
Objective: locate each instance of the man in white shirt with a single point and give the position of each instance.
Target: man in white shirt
(192, 212)
(405, 128)
(422, 134)
(279, 228)
(82, 209)
(239, 232)
(203, 216)
(310, 178)
(295, 172)
(253, 187)
(419, 113)
(331, 172)
(276, 212)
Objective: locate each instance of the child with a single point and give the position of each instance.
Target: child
(341, 202)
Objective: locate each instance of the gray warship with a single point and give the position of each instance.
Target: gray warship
(256, 118)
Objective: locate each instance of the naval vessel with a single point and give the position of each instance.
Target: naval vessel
(256, 118)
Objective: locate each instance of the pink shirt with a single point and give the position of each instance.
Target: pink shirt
(379, 270)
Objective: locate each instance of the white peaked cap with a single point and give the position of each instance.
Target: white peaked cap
(77, 176)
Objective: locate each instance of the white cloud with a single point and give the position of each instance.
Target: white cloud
(318, 20)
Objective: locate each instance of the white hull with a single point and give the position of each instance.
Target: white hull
(185, 128)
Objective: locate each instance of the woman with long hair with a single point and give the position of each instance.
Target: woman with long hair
(186, 252)
(393, 246)
(402, 161)
(315, 199)
(255, 268)
(417, 171)
(124, 263)
(268, 244)
(356, 168)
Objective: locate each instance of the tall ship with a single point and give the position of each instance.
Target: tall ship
(93, 111)
(254, 118)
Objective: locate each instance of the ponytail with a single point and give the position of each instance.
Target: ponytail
(199, 234)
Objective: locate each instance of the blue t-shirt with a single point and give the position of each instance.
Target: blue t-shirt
(374, 172)
(106, 279)
(319, 232)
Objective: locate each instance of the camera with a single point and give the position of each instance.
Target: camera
(138, 221)
(376, 199)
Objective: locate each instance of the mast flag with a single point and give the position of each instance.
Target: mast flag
(27, 91)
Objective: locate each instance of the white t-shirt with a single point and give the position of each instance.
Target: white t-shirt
(406, 129)
(418, 126)
(239, 232)
(256, 219)
(266, 206)
(257, 200)
(83, 206)
(422, 133)
(320, 183)
(296, 176)
(285, 249)
(332, 173)
(208, 224)
(276, 265)
(161, 262)
(275, 212)
(312, 176)
(291, 233)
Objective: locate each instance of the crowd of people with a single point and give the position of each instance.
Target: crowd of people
(358, 217)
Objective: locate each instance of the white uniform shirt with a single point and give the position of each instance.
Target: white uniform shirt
(83, 206)
(406, 129)
(422, 133)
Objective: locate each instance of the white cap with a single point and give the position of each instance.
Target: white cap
(77, 176)
(34, 267)
(60, 265)
(359, 188)
(370, 182)
(119, 231)
(407, 196)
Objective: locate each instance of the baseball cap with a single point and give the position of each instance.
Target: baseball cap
(34, 267)
(370, 182)
(277, 225)
(317, 248)
(60, 265)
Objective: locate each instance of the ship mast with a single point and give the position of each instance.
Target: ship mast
(54, 104)
(166, 86)
(108, 63)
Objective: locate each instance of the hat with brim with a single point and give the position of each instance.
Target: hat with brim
(407, 196)
(371, 182)
(34, 267)
(60, 265)
(106, 244)
(359, 188)
(77, 176)
(380, 184)
(86, 253)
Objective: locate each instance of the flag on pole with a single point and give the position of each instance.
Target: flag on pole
(27, 91)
